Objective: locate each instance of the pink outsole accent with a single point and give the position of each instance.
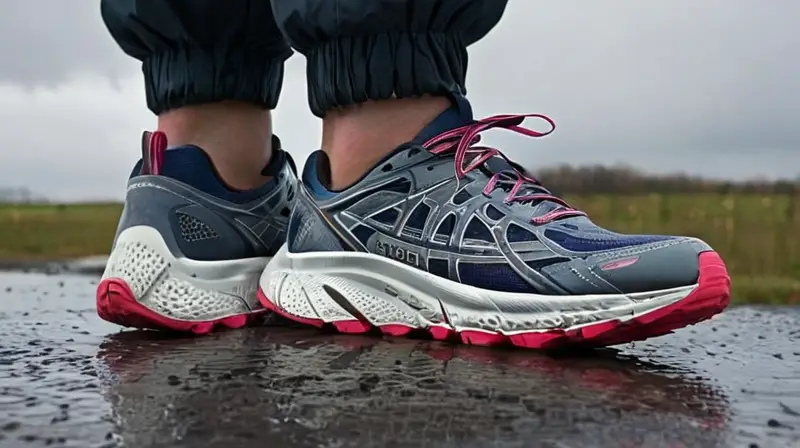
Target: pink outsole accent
(116, 304)
(711, 297)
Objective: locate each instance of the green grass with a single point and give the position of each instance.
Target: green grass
(757, 235)
(31, 232)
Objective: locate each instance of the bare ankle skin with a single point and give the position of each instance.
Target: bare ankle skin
(236, 136)
(357, 137)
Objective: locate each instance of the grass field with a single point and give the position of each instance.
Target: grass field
(758, 236)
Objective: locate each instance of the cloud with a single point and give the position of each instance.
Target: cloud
(705, 87)
(77, 140)
(51, 42)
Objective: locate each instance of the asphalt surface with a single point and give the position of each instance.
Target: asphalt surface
(69, 379)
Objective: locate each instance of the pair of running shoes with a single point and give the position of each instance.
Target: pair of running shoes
(444, 238)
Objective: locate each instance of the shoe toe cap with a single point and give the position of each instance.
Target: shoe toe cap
(663, 265)
(669, 265)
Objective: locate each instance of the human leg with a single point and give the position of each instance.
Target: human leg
(201, 219)
(380, 71)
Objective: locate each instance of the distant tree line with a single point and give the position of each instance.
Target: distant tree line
(12, 195)
(566, 179)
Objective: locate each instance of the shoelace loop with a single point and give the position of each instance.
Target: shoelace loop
(465, 140)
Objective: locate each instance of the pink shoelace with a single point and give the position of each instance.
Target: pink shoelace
(465, 139)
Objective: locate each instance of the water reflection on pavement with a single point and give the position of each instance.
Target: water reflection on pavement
(69, 379)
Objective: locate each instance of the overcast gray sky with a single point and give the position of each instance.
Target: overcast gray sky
(708, 87)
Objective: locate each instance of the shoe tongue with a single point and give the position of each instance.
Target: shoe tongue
(460, 114)
(497, 164)
(457, 115)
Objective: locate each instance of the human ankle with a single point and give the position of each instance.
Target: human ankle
(236, 136)
(357, 137)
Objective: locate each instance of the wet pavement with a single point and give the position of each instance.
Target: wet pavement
(69, 379)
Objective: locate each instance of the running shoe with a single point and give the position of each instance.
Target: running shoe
(189, 251)
(448, 237)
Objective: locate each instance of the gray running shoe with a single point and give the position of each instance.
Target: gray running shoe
(448, 237)
(189, 251)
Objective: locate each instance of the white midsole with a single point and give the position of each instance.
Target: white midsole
(181, 288)
(387, 292)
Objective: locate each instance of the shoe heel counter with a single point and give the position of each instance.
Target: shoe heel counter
(308, 231)
(145, 206)
(188, 229)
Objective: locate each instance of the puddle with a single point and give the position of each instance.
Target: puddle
(69, 379)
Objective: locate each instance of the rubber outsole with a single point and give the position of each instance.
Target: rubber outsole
(711, 297)
(116, 304)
